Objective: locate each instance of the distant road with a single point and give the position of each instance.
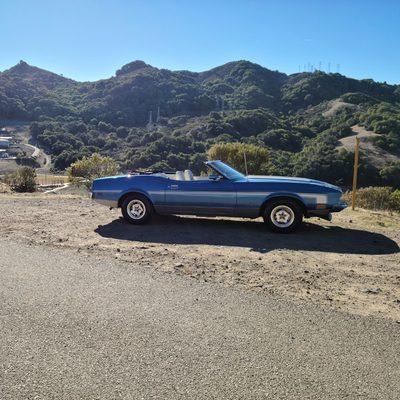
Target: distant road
(76, 327)
(36, 150)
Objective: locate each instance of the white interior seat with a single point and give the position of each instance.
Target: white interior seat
(179, 176)
(188, 175)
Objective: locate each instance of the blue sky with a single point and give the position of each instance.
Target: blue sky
(90, 40)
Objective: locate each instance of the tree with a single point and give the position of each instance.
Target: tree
(390, 174)
(89, 168)
(22, 180)
(233, 154)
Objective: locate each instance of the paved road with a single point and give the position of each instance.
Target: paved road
(79, 328)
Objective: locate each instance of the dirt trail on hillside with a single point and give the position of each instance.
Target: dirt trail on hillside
(351, 264)
(373, 154)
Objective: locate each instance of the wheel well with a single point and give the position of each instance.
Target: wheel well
(122, 198)
(294, 199)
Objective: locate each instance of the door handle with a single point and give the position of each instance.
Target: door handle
(174, 187)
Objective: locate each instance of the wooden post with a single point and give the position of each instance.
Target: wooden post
(355, 173)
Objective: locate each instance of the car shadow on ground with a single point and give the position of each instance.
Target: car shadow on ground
(249, 234)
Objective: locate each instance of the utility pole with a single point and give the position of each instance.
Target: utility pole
(355, 173)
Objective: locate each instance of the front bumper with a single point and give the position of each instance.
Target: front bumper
(339, 207)
(327, 212)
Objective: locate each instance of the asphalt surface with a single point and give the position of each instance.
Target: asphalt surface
(74, 327)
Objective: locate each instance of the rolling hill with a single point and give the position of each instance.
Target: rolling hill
(150, 117)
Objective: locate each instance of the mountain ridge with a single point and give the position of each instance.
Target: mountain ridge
(150, 117)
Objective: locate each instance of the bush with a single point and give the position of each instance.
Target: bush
(233, 154)
(390, 174)
(376, 198)
(83, 172)
(23, 180)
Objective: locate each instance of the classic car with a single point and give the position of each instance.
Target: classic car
(281, 201)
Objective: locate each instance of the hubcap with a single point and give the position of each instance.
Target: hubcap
(136, 209)
(282, 216)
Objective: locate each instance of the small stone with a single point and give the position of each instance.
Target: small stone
(179, 265)
(351, 221)
(371, 290)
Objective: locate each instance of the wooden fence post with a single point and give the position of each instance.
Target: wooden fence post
(355, 173)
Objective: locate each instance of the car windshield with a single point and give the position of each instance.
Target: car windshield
(226, 170)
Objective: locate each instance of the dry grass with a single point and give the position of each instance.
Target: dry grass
(376, 198)
(4, 188)
(51, 179)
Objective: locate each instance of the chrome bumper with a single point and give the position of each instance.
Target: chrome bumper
(104, 202)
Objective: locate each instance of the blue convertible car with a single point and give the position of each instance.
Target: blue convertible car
(281, 201)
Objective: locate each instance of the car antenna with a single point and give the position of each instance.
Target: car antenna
(245, 163)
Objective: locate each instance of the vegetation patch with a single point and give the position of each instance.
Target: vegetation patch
(377, 198)
(22, 180)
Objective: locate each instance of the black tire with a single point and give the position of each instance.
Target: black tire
(288, 221)
(141, 213)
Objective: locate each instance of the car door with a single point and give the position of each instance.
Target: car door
(201, 197)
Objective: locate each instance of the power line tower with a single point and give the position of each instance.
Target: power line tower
(158, 115)
(150, 123)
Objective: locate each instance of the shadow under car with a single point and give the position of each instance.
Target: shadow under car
(251, 234)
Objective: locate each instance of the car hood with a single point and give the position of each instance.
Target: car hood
(284, 179)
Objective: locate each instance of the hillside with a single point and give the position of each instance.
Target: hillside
(298, 117)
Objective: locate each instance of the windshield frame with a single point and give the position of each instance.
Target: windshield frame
(225, 170)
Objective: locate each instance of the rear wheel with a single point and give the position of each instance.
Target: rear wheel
(136, 209)
(283, 216)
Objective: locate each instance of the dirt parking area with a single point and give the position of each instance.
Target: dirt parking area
(351, 264)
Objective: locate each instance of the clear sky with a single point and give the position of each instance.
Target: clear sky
(91, 39)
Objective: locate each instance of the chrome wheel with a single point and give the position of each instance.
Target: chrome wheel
(282, 216)
(136, 209)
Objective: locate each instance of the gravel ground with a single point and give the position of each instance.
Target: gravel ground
(80, 326)
(351, 264)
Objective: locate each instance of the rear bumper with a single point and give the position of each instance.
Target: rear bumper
(105, 202)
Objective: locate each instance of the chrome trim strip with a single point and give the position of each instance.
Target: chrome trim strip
(106, 191)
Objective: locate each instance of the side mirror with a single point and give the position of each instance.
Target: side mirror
(215, 178)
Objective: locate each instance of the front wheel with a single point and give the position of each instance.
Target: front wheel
(283, 216)
(136, 209)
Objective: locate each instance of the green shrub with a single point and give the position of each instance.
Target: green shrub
(376, 198)
(233, 154)
(83, 172)
(23, 180)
